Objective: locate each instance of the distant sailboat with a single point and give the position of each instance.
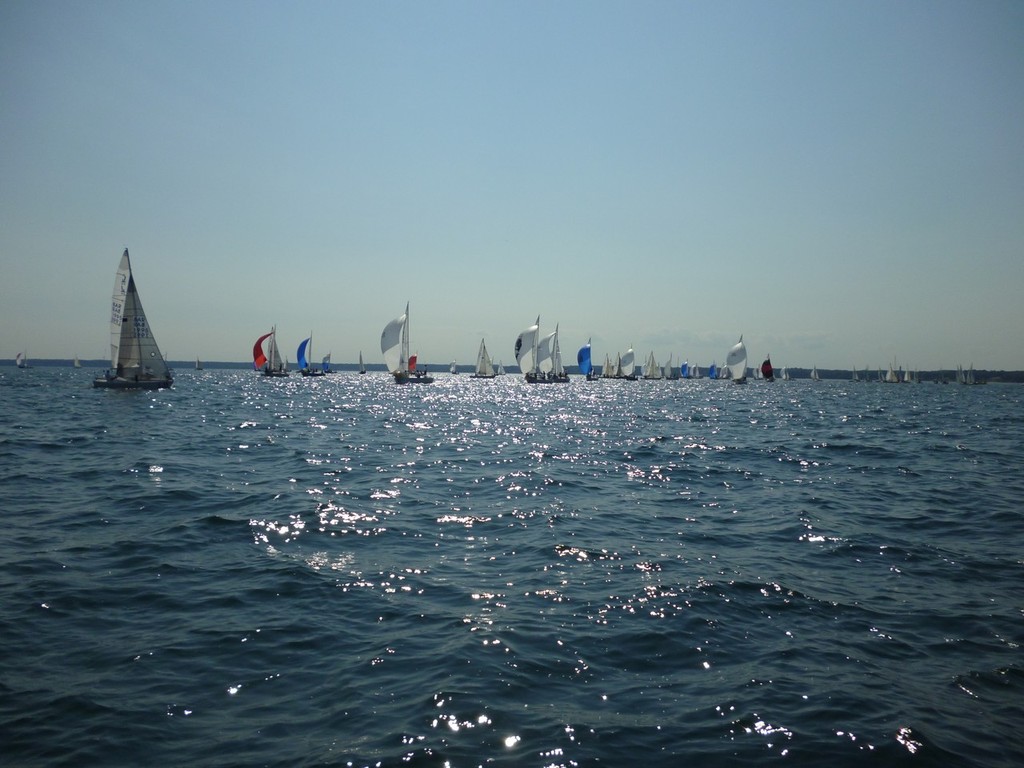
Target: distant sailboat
(362, 367)
(21, 360)
(626, 369)
(785, 374)
(135, 358)
(269, 364)
(584, 362)
(453, 369)
(199, 363)
(306, 346)
(77, 363)
(651, 368)
(539, 358)
(394, 345)
(814, 374)
(684, 369)
(736, 361)
(484, 369)
(767, 372)
(325, 364)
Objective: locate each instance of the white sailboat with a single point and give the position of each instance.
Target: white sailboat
(736, 361)
(362, 367)
(484, 369)
(199, 363)
(135, 358)
(394, 345)
(270, 363)
(77, 363)
(814, 374)
(540, 359)
(651, 368)
(21, 360)
(627, 366)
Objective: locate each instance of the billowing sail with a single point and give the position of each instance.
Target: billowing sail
(583, 359)
(325, 364)
(526, 347)
(391, 344)
(412, 364)
(627, 363)
(684, 369)
(301, 354)
(258, 358)
(736, 360)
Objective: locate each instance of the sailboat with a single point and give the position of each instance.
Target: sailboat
(21, 360)
(135, 359)
(539, 358)
(736, 361)
(684, 369)
(77, 363)
(306, 345)
(325, 364)
(785, 374)
(270, 363)
(651, 368)
(394, 345)
(362, 367)
(199, 363)
(453, 369)
(484, 369)
(891, 377)
(767, 372)
(814, 374)
(626, 368)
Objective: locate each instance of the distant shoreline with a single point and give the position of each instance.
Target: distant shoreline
(835, 374)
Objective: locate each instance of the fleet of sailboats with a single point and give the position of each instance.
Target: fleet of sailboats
(135, 359)
(137, 362)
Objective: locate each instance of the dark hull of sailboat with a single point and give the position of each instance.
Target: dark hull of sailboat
(116, 382)
(313, 373)
(482, 376)
(416, 378)
(532, 378)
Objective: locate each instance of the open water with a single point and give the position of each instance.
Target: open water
(343, 572)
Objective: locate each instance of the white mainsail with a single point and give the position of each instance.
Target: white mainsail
(483, 362)
(133, 349)
(545, 356)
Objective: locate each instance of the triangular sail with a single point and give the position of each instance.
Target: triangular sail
(545, 357)
(483, 361)
(132, 346)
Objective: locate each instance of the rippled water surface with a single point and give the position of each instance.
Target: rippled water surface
(341, 571)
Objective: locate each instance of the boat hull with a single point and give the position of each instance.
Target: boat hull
(116, 382)
(416, 378)
(533, 378)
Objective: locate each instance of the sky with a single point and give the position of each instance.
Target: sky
(842, 183)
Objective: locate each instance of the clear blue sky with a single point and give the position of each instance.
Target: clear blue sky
(840, 182)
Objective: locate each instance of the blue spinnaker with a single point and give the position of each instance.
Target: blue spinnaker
(301, 354)
(583, 359)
